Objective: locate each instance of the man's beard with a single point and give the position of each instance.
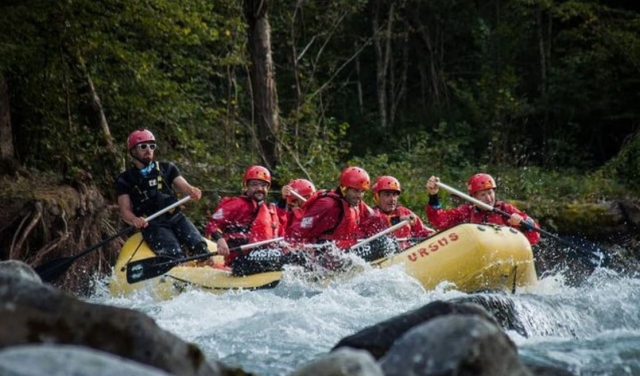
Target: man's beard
(258, 197)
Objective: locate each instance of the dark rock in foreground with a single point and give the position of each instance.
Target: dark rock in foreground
(33, 313)
(456, 345)
(458, 337)
(343, 362)
(68, 360)
(379, 338)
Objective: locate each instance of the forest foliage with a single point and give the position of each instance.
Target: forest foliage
(541, 93)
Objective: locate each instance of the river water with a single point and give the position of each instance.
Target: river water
(592, 329)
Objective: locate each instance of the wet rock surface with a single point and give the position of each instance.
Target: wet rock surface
(379, 338)
(68, 360)
(464, 336)
(343, 362)
(456, 345)
(35, 313)
(457, 337)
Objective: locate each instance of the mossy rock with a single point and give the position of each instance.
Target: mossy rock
(592, 220)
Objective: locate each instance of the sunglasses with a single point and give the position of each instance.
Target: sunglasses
(258, 184)
(145, 146)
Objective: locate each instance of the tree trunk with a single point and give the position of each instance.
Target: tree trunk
(6, 134)
(359, 86)
(382, 61)
(296, 76)
(397, 95)
(543, 52)
(432, 81)
(96, 105)
(263, 84)
(111, 162)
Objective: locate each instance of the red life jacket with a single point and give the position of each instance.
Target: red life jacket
(470, 214)
(345, 233)
(402, 232)
(263, 225)
(288, 216)
(487, 216)
(465, 213)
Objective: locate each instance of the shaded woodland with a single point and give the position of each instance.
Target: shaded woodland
(541, 93)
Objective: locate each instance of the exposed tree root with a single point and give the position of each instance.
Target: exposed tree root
(36, 217)
(59, 221)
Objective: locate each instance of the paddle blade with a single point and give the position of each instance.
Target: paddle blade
(54, 269)
(141, 270)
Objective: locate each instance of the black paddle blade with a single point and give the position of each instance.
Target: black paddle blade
(587, 252)
(54, 269)
(141, 270)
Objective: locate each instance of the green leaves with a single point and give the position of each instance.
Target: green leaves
(518, 84)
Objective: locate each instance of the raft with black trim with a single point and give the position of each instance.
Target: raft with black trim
(472, 257)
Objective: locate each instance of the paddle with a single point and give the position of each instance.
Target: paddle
(507, 215)
(381, 233)
(141, 270)
(413, 239)
(298, 196)
(54, 269)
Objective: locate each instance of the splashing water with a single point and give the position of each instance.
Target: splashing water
(593, 329)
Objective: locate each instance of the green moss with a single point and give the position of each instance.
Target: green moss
(569, 217)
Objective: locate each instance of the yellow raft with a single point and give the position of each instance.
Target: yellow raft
(472, 257)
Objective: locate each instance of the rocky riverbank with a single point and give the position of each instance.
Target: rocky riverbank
(46, 331)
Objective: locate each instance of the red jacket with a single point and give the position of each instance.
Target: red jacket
(287, 216)
(327, 216)
(467, 213)
(416, 230)
(242, 220)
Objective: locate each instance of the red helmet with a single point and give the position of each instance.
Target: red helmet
(138, 137)
(354, 177)
(303, 187)
(385, 183)
(480, 182)
(256, 173)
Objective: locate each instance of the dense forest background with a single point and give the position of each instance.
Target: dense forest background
(543, 94)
